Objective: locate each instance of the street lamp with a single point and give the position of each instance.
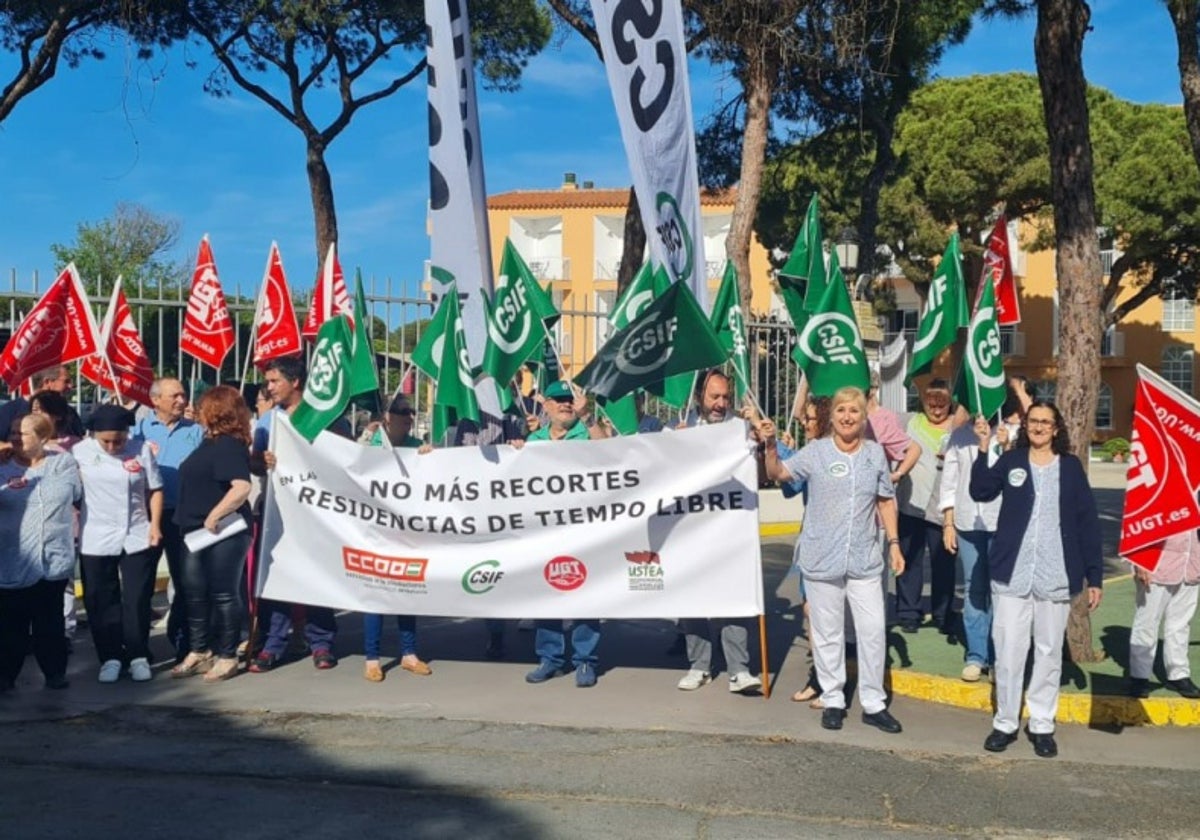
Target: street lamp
(847, 250)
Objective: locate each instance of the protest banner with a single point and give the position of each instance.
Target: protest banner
(640, 527)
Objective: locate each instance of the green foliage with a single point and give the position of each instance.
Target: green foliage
(130, 243)
(1115, 446)
(969, 145)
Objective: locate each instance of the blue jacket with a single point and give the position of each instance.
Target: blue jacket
(1010, 477)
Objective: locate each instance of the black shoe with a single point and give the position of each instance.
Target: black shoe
(1139, 688)
(883, 720)
(1044, 745)
(909, 627)
(998, 741)
(832, 718)
(57, 682)
(495, 647)
(1184, 687)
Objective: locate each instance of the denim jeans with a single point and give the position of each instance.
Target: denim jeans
(373, 634)
(977, 596)
(320, 626)
(550, 642)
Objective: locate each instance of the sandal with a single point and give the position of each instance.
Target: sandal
(224, 669)
(805, 694)
(372, 672)
(415, 666)
(192, 664)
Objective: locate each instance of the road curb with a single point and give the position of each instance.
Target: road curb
(1086, 709)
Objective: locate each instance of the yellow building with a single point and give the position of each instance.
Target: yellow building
(1160, 334)
(572, 237)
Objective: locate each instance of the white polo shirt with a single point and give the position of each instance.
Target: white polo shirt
(116, 488)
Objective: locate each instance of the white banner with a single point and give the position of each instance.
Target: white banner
(646, 60)
(460, 248)
(645, 526)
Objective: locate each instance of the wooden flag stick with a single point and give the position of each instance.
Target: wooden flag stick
(762, 644)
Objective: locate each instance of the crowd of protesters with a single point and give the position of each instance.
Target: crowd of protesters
(1000, 504)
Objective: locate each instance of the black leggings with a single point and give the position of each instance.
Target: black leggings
(213, 583)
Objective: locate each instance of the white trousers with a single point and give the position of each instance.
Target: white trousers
(1013, 621)
(1172, 607)
(827, 610)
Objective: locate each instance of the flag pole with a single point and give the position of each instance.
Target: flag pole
(762, 644)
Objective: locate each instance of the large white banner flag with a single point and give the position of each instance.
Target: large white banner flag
(460, 248)
(645, 526)
(646, 61)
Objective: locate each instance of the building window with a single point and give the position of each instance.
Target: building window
(1177, 364)
(1104, 408)
(1179, 312)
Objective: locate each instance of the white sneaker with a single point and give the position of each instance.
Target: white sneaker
(693, 680)
(972, 672)
(743, 682)
(110, 671)
(139, 670)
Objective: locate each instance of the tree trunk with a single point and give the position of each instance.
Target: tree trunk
(38, 69)
(634, 247)
(1183, 15)
(1058, 47)
(320, 185)
(756, 87)
(868, 217)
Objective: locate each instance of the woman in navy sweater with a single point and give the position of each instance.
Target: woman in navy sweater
(1047, 546)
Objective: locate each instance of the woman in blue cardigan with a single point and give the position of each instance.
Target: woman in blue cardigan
(1047, 546)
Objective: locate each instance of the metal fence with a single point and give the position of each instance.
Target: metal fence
(399, 310)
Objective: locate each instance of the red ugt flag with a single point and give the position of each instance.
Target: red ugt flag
(997, 264)
(122, 365)
(207, 328)
(330, 297)
(1160, 496)
(276, 331)
(59, 329)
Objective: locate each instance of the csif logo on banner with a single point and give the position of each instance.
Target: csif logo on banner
(482, 577)
(649, 348)
(836, 337)
(673, 232)
(327, 378)
(510, 304)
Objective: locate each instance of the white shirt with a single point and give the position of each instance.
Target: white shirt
(969, 515)
(115, 493)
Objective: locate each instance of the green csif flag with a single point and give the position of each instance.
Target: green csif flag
(340, 369)
(981, 383)
(944, 313)
(802, 279)
(518, 316)
(830, 347)
(669, 338)
(368, 400)
(640, 294)
(672, 390)
(730, 326)
(441, 354)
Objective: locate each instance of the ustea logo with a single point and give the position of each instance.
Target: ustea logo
(402, 569)
(644, 571)
(482, 577)
(565, 573)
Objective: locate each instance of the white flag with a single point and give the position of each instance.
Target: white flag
(646, 61)
(460, 249)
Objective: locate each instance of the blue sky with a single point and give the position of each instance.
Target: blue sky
(120, 130)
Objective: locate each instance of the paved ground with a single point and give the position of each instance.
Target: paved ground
(473, 751)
